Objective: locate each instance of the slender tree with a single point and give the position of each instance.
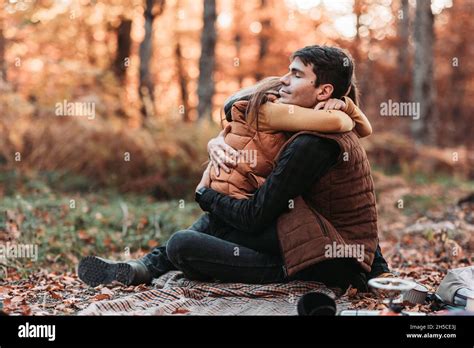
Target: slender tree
(124, 44)
(403, 59)
(181, 71)
(263, 38)
(238, 39)
(424, 128)
(207, 60)
(3, 64)
(153, 8)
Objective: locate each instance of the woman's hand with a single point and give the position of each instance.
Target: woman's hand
(273, 96)
(221, 155)
(331, 104)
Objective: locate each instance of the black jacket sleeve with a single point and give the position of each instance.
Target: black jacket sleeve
(306, 159)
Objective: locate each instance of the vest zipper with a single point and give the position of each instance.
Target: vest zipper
(285, 270)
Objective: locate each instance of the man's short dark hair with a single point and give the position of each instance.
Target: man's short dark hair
(330, 64)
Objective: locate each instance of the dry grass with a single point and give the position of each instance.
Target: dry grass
(165, 158)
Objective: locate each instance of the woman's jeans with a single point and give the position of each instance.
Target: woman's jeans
(202, 256)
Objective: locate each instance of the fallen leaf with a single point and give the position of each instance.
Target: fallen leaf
(180, 311)
(55, 295)
(100, 297)
(152, 243)
(25, 310)
(17, 299)
(107, 291)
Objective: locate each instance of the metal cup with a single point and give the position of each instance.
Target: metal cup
(316, 303)
(417, 295)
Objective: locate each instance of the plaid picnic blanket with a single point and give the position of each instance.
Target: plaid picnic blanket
(175, 294)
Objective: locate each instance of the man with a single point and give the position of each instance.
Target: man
(320, 194)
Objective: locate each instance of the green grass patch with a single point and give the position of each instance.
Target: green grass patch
(68, 226)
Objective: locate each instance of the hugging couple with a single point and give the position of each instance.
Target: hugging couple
(274, 219)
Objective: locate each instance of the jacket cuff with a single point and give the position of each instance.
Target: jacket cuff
(350, 106)
(206, 199)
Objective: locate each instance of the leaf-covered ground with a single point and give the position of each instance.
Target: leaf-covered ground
(423, 233)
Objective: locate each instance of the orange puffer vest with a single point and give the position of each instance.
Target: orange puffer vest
(257, 151)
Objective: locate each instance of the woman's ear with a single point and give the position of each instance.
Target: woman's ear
(324, 91)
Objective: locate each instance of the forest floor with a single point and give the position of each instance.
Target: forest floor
(423, 232)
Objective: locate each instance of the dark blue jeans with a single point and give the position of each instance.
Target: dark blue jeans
(202, 256)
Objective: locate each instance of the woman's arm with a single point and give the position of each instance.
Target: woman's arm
(293, 118)
(292, 176)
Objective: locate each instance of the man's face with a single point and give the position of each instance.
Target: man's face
(298, 86)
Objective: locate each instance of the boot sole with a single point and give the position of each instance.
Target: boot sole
(94, 271)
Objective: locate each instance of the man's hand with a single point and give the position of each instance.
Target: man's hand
(221, 155)
(331, 104)
(206, 179)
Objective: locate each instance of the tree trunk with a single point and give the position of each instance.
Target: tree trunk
(124, 44)
(263, 40)
(238, 41)
(361, 65)
(153, 8)
(423, 129)
(403, 53)
(238, 46)
(181, 70)
(183, 83)
(207, 60)
(3, 63)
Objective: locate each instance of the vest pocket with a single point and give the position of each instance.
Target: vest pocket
(320, 220)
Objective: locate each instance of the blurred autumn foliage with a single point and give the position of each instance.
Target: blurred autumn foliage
(153, 75)
(158, 71)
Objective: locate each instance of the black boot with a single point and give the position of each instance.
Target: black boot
(379, 265)
(94, 271)
(359, 281)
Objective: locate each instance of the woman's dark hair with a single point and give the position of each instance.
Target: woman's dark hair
(256, 96)
(354, 93)
(331, 65)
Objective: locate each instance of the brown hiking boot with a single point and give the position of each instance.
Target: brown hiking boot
(94, 271)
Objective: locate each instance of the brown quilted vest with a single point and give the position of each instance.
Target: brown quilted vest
(338, 213)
